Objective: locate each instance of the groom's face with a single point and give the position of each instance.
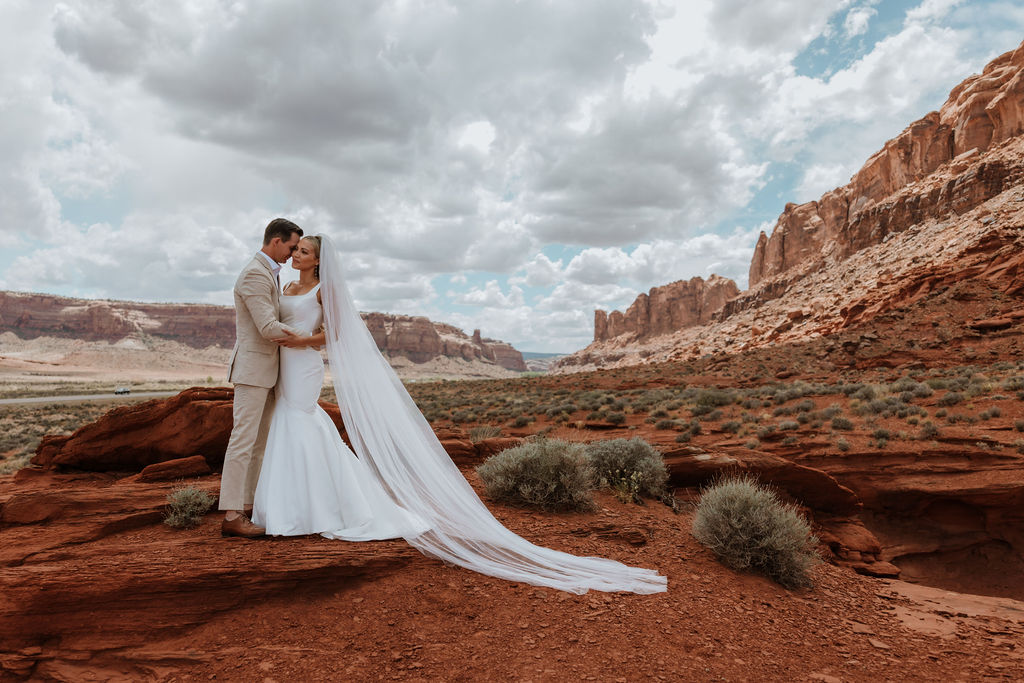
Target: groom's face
(281, 250)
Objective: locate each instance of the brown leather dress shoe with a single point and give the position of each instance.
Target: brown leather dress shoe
(241, 526)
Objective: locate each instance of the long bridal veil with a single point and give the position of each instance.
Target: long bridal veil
(389, 433)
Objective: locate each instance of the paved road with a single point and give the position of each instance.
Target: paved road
(84, 397)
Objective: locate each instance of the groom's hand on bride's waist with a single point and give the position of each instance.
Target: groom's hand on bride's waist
(291, 340)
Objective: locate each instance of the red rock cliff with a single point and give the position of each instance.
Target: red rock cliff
(981, 112)
(203, 325)
(666, 309)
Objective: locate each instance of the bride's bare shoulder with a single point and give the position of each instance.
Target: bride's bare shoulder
(288, 287)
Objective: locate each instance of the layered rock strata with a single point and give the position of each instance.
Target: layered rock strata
(982, 112)
(665, 309)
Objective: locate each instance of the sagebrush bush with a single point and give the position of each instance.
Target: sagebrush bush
(748, 527)
(481, 432)
(547, 473)
(186, 507)
(632, 459)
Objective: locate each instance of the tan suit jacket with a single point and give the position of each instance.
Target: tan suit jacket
(255, 358)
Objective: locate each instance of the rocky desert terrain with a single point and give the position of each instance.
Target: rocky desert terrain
(872, 375)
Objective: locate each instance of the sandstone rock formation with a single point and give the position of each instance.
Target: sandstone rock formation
(665, 309)
(982, 112)
(199, 326)
(938, 205)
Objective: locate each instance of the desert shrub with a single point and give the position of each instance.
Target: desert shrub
(660, 412)
(882, 434)
(753, 444)
(695, 427)
(929, 430)
(748, 527)
(951, 398)
(941, 412)
(481, 432)
(805, 406)
(866, 393)
(666, 424)
(186, 506)
(732, 426)
(634, 460)
(922, 390)
(764, 431)
(684, 437)
(1018, 425)
(522, 421)
(546, 473)
(714, 397)
(842, 444)
(936, 383)
(1019, 445)
(788, 425)
(714, 416)
(615, 418)
(790, 440)
(1013, 383)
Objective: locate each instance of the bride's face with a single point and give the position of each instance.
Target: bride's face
(304, 257)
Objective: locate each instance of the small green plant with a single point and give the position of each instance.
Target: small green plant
(186, 506)
(748, 527)
(633, 461)
(481, 432)
(1018, 425)
(842, 444)
(929, 430)
(615, 418)
(546, 473)
(626, 487)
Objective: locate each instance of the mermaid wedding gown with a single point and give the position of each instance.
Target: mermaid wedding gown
(311, 482)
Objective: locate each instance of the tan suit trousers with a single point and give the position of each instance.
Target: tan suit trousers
(244, 456)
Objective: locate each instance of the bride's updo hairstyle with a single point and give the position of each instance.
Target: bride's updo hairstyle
(315, 241)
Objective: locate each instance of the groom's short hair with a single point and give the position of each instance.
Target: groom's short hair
(280, 227)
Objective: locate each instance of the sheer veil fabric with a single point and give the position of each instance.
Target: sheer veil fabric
(389, 433)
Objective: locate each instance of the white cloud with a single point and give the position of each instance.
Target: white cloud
(478, 135)
(857, 20)
(492, 296)
(931, 10)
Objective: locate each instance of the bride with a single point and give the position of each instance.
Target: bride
(403, 483)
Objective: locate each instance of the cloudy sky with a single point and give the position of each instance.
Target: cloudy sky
(507, 165)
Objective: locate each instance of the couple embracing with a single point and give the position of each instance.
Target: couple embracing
(403, 484)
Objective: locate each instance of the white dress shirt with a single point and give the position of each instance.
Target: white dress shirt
(274, 266)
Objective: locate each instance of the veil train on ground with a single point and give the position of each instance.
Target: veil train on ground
(389, 433)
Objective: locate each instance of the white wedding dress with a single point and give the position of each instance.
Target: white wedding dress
(311, 482)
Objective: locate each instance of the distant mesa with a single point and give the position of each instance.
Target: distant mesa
(201, 326)
(665, 309)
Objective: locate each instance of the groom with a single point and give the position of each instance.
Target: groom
(253, 370)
